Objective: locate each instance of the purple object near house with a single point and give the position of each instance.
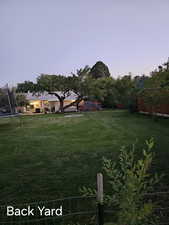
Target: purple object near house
(90, 106)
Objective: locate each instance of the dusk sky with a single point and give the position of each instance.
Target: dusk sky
(58, 37)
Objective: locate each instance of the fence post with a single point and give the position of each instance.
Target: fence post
(100, 206)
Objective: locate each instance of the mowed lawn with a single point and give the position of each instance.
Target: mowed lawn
(50, 156)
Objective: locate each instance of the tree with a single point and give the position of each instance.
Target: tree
(104, 91)
(156, 88)
(82, 73)
(57, 85)
(4, 102)
(60, 86)
(87, 88)
(94, 89)
(166, 66)
(21, 100)
(7, 100)
(126, 91)
(99, 70)
(81, 85)
(159, 78)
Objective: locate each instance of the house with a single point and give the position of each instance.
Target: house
(43, 103)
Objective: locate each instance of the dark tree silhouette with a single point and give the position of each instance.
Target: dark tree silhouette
(99, 70)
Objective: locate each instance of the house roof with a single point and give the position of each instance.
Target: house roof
(46, 97)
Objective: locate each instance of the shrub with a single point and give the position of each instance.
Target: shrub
(130, 179)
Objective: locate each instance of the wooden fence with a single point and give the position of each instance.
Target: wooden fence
(159, 109)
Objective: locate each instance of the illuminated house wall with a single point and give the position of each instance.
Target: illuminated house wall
(46, 102)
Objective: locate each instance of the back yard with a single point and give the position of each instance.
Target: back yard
(50, 156)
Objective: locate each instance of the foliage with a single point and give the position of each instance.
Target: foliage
(27, 86)
(86, 85)
(154, 98)
(156, 91)
(89, 88)
(7, 100)
(110, 91)
(104, 91)
(82, 73)
(21, 100)
(57, 85)
(99, 70)
(60, 86)
(126, 92)
(3, 98)
(158, 79)
(130, 179)
(81, 84)
(96, 84)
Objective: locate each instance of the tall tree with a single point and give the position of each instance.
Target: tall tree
(99, 70)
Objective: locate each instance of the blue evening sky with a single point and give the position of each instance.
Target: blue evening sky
(60, 36)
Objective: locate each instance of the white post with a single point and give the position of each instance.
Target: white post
(100, 188)
(100, 212)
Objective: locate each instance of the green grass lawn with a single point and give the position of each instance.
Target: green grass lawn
(49, 156)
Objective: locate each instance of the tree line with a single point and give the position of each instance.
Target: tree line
(96, 83)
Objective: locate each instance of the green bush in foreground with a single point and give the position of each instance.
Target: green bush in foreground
(130, 179)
